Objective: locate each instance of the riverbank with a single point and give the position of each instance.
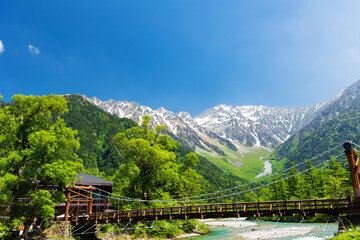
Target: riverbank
(162, 229)
(348, 234)
(231, 222)
(229, 229)
(296, 218)
(275, 233)
(176, 229)
(114, 235)
(265, 234)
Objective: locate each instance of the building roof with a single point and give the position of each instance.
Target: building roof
(88, 179)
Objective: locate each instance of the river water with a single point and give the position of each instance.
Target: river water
(320, 231)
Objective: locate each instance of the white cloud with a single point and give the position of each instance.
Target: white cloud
(2, 49)
(34, 50)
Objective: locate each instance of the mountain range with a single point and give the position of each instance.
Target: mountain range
(226, 134)
(236, 127)
(230, 140)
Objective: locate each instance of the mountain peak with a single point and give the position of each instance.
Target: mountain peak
(161, 110)
(94, 99)
(183, 114)
(224, 107)
(253, 125)
(250, 125)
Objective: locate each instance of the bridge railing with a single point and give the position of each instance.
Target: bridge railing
(256, 209)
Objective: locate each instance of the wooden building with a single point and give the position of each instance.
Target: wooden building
(89, 194)
(85, 179)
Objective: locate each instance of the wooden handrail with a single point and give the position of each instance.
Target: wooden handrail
(228, 210)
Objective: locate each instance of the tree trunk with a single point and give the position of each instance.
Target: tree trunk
(27, 225)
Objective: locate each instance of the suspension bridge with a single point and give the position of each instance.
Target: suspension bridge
(85, 205)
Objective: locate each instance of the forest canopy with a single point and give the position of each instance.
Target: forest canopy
(150, 170)
(33, 147)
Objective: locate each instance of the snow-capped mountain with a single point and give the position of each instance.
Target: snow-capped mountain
(135, 111)
(180, 125)
(231, 126)
(257, 125)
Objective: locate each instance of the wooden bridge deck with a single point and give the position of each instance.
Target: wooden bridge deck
(248, 209)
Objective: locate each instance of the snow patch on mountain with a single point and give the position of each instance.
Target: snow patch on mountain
(180, 125)
(250, 125)
(257, 125)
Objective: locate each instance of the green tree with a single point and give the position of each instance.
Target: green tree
(264, 194)
(32, 147)
(150, 170)
(190, 181)
(283, 189)
(293, 182)
(308, 182)
(338, 182)
(318, 183)
(96, 130)
(250, 197)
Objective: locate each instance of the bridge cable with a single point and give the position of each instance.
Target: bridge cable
(277, 195)
(77, 208)
(78, 229)
(185, 213)
(118, 210)
(265, 185)
(257, 188)
(232, 194)
(237, 206)
(134, 199)
(72, 209)
(88, 229)
(354, 144)
(276, 224)
(257, 204)
(130, 210)
(309, 178)
(125, 226)
(326, 224)
(262, 186)
(302, 219)
(155, 213)
(232, 188)
(323, 181)
(97, 206)
(301, 198)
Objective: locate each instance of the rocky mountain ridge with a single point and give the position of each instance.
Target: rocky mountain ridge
(337, 123)
(235, 127)
(180, 125)
(258, 125)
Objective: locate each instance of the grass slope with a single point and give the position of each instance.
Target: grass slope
(247, 165)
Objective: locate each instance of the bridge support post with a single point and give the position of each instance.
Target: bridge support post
(67, 205)
(353, 161)
(90, 202)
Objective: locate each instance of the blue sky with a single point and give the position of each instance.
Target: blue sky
(184, 55)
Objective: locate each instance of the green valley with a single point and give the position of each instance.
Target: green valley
(246, 165)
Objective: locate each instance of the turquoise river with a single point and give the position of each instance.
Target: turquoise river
(319, 230)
